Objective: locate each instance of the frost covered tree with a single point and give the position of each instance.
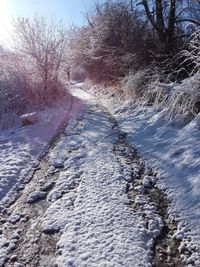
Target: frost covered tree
(114, 41)
(42, 46)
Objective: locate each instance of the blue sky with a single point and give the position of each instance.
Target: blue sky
(70, 11)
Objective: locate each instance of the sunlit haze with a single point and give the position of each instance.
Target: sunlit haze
(67, 10)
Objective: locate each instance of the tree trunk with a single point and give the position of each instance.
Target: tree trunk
(171, 23)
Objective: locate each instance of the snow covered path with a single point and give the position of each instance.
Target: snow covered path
(92, 202)
(75, 211)
(98, 227)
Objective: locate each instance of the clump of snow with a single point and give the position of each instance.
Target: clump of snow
(15, 217)
(65, 184)
(140, 189)
(47, 186)
(35, 196)
(17, 264)
(55, 218)
(148, 181)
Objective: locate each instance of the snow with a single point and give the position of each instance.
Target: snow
(29, 118)
(35, 196)
(89, 203)
(173, 149)
(98, 224)
(21, 147)
(148, 182)
(176, 152)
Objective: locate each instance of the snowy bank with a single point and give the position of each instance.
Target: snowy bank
(21, 147)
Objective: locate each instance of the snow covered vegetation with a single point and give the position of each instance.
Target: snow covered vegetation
(31, 73)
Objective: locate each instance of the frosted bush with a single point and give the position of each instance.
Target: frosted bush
(182, 101)
(135, 85)
(157, 94)
(192, 55)
(185, 100)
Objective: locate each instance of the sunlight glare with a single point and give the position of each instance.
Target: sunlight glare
(5, 22)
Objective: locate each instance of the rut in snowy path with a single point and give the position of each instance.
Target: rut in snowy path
(165, 249)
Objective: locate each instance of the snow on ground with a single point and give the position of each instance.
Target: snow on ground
(89, 205)
(21, 147)
(174, 151)
(89, 202)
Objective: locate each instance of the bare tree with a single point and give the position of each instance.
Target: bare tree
(43, 45)
(169, 17)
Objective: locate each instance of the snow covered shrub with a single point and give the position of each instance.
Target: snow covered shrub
(184, 102)
(135, 85)
(157, 94)
(192, 54)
